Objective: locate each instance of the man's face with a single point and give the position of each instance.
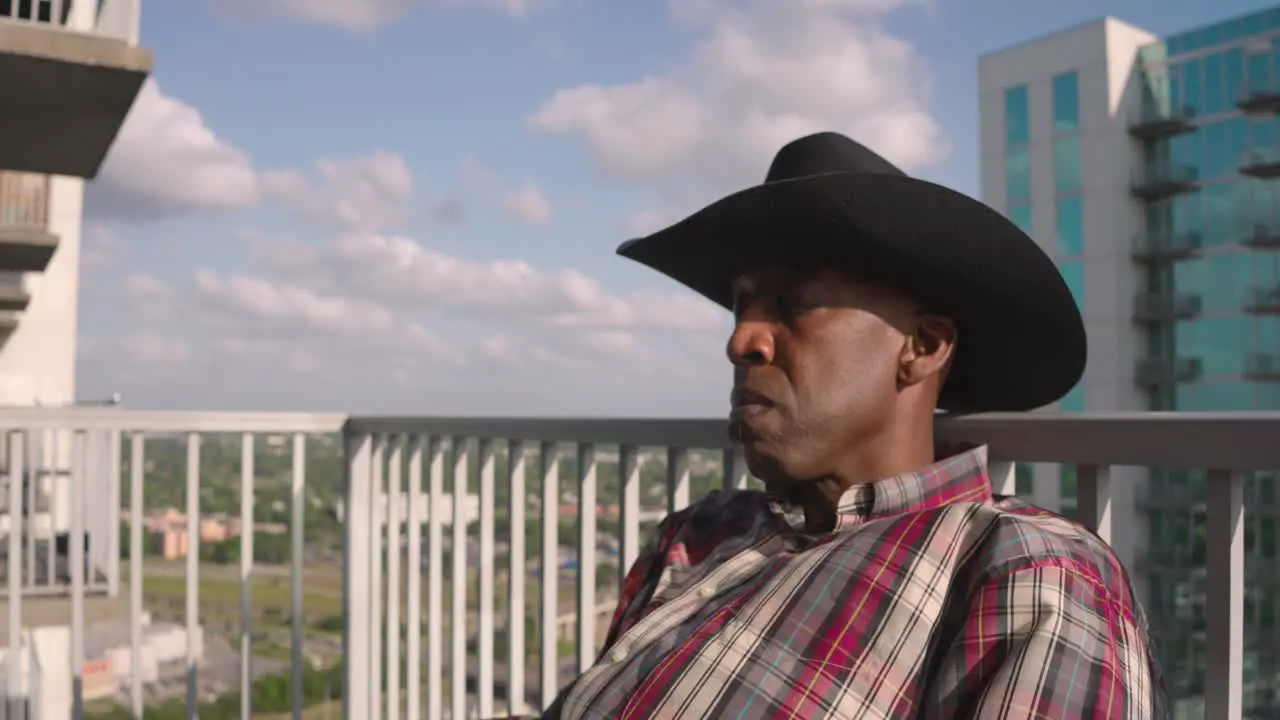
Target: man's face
(817, 367)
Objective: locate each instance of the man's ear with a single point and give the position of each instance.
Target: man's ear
(927, 350)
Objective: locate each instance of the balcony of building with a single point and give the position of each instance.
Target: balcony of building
(1262, 300)
(469, 609)
(1162, 307)
(71, 70)
(1259, 98)
(26, 245)
(1160, 372)
(1162, 181)
(1262, 366)
(1263, 236)
(1153, 122)
(1262, 163)
(1165, 247)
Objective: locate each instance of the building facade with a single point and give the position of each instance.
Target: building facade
(1147, 168)
(71, 70)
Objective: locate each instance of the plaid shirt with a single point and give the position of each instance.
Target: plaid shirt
(931, 599)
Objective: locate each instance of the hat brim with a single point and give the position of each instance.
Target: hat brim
(1021, 338)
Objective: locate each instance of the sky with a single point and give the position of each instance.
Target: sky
(412, 206)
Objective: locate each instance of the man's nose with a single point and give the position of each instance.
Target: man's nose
(751, 343)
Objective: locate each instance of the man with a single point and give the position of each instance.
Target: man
(871, 579)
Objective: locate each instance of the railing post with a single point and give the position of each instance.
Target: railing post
(1093, 501)
(1224, 601)
(735, 469)
(677, 479)
(548, 612)
(247, 530)
(413, 589)
(358, 528)
(628, 510)
(484, 641)
(586, 556)
(516, 500)
(13, 703)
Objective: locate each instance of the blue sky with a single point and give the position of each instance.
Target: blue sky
(306, 186)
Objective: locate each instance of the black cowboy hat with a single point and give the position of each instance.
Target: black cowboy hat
(827, 198)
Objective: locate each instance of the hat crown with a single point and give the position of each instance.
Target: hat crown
(825, 153)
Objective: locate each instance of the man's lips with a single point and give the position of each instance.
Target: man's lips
(744, 400)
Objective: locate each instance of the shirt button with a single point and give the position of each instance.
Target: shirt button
(706, 591)
(618, 655)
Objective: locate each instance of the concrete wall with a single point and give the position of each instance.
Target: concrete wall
(37, 364)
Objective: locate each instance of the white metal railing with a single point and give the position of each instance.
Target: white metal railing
(386, 677)
(428, 599)
(93, 464)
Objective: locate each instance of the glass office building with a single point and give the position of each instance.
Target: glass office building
(1149, 169)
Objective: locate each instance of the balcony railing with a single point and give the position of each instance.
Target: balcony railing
(1166, 307)
(1263, 300)
(458, 612)
(1167, 247)
(1158, 182)
(1155, 123)
(1262, 366)
(1259, 98)
(1156, 372)
(1263, 236)
(1263, 163)
(24, 200)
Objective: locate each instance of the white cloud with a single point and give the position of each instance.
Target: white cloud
(379, 323)
(528, 204)
(763, 73)
(102, 248)
(359, 16)
(166, 161)
(372, 192)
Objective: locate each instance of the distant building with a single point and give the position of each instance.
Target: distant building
(1148, 168)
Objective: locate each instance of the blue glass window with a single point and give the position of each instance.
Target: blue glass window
(1066, 103)
(1073, 274)
(1017, 173)
(1069, 224)
(1074, 400)
(1021, 216)
(1017, 116)
(1066, 164)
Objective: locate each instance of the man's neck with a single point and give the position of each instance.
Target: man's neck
(894, 452)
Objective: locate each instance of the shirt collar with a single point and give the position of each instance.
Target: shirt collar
(960, 478)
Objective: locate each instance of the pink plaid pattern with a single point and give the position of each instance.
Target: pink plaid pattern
(932, 599)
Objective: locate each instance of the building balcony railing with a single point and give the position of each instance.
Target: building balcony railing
(1263, 300)
(114, 18)
(1259, 98)
(1155, 123)
(26, 245)
(24, 200)
(1167, 247)
(1158, 372)
(1166, 307)
(1262, 366)
(1263, 236)
(459, 613)
(1263, 163)
(1159, 182)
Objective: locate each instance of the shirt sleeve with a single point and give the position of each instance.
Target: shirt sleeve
(1049, 641)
